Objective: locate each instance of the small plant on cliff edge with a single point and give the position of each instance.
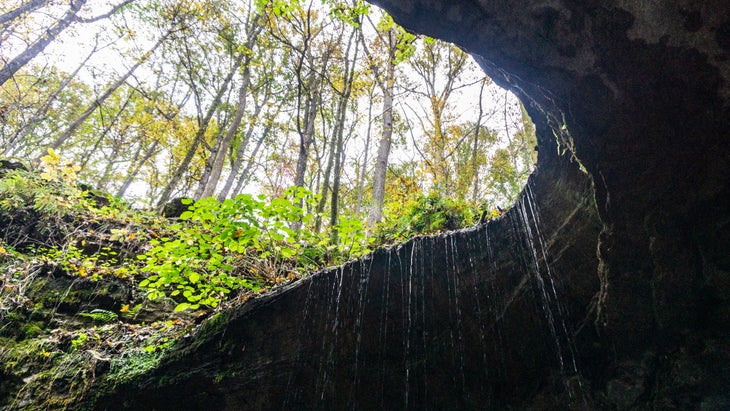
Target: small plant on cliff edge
(217, 242)
(245, 242)
(423, 214)
(52, 193)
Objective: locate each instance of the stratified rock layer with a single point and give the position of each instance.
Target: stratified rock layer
(605, 288)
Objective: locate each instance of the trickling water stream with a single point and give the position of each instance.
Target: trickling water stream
(422, 321)
(545, 281)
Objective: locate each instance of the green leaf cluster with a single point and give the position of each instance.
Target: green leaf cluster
(20, 189)
(421, 214)
(220, 247)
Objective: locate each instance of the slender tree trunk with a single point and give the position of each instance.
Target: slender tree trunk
(208, 169)
(24, 8)
(381, 163)
(363, 167)
(475, 148)
(313, 95)
(185, 163)
(246, 173)
(220, 154)
(87, 155)
(112, 160)
(340, 131)
(137, 166)
(41, 112)
(107, 93)
(306, 137)
(326, 180)
(48, 37)
(241, 151)
(334, 206)
(387, 85)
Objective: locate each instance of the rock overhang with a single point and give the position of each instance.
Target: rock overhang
(631, 110)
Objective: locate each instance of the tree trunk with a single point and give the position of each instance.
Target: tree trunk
(220, 154)
(475, 148)
(23, 131)
(180, 170)
(137, 166)
(340, 130)
(306, 136)
(107, 93)
(334, 206)
(208, 169)
(326, 180)
(239, 156)
(48, 37)
(387, 85)
(381, 163)
(24, 8)
(246, 174)
(88, 153)
(363, 168)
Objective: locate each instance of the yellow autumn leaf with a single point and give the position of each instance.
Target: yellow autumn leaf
(124, 308)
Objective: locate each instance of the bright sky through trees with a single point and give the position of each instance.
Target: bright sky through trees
(142, 94)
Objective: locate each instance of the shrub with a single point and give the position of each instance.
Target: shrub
(423, 214)
(220, 247)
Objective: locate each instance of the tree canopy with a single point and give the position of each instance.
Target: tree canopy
(156, 100)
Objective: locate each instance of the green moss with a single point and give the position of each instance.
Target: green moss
(210, 328)
(133, 364)
(32, 329)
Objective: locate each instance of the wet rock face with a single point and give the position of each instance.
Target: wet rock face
(638, 91)
(603, 289)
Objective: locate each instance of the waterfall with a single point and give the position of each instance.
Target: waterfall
(552, 308)
(433, 323)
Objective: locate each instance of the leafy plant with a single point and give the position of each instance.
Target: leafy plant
(220, 247)
(101, 316)
(75, 262)
(422, 214)
(20, 189)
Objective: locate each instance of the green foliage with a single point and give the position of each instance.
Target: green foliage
(132, 364)
(55, 169)
(404, 41)
(101, 316)
(220, 247)
(278, 7)
(74, 261)
(352, 239)
(422, 214)
(348, 13)
(20, 190)
(79, 341)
